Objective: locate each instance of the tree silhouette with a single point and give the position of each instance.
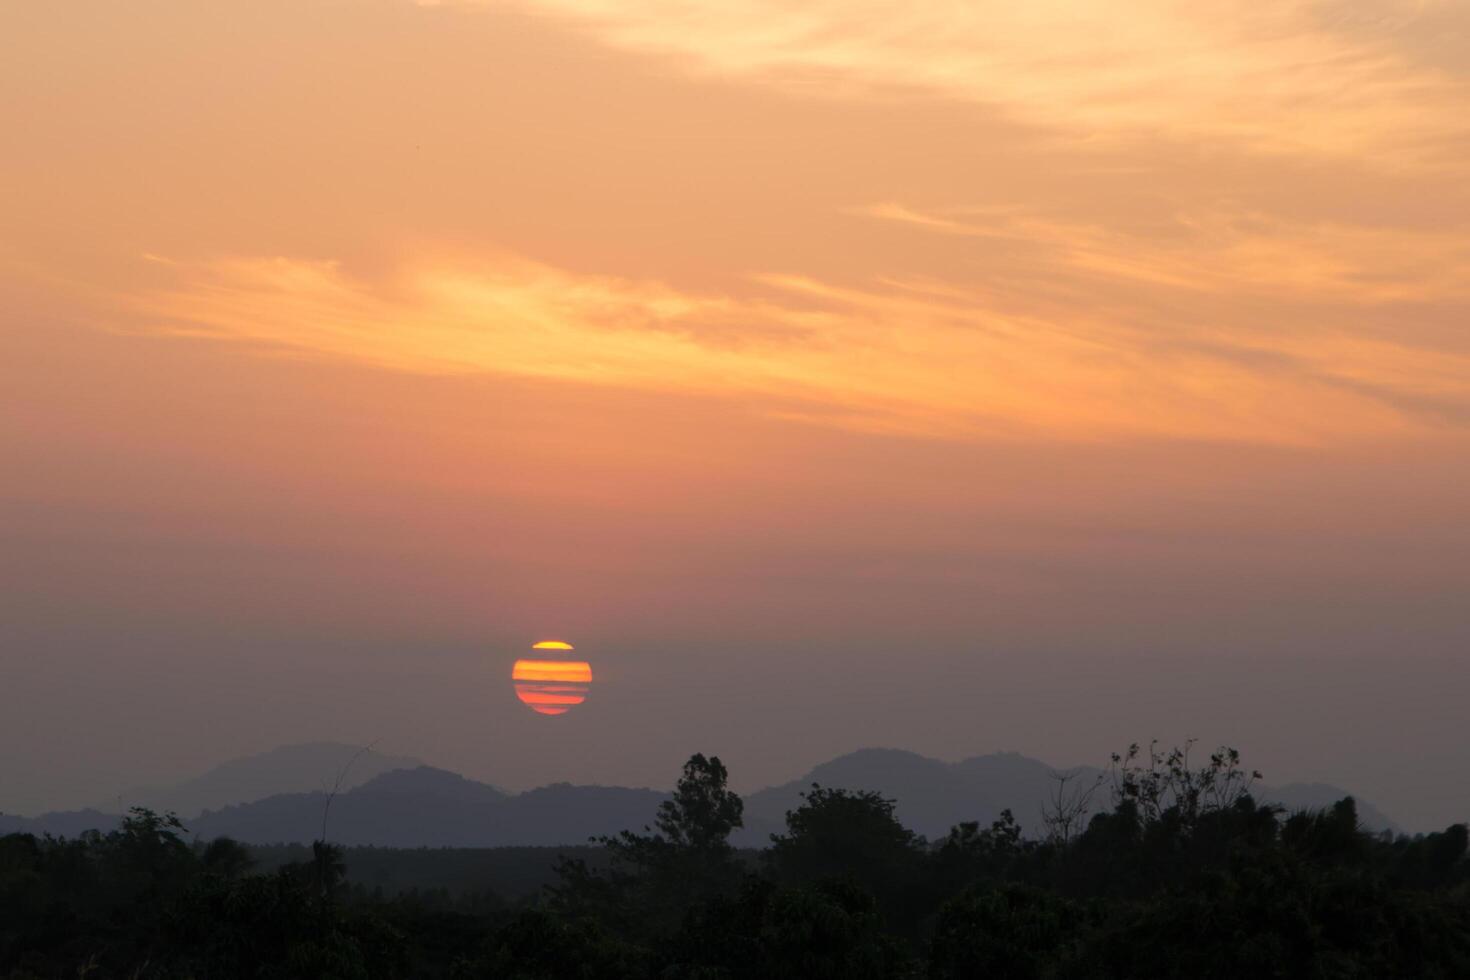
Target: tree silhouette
(853, 835)
(703, 811)
(835, 831)
(684, 858)
(1186, 876)
(1167, 781)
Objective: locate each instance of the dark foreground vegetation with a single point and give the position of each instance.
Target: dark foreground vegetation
(1181, 874)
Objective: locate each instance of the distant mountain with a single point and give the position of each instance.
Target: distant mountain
(1317, 796)
(61, 823)
(419, 806)
(426, 807)
(932, 796)
(304, 768)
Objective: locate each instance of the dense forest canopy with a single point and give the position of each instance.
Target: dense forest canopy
(1165, 867)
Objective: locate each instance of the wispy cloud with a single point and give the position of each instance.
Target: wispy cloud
(1287, 77)
(927, 359)
(1224, 251)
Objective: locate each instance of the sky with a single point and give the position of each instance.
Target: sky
(956, 377)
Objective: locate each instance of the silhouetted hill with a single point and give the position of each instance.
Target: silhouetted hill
(430, 783)
(62, 823)
(932, 796)
(1316, 796)
(422, 806)
(426, 807)
(304, 768)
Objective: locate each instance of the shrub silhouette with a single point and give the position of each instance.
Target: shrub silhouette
(1186, 875)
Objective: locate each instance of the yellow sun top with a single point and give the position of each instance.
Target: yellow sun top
(552, 645)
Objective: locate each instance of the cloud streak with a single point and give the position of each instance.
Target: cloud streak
(1232, 252)
(1290, 78)
(918, 358)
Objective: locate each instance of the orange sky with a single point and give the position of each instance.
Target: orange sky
(841, 341)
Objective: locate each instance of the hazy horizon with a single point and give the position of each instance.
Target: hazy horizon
(1027, 378)
(329, 767)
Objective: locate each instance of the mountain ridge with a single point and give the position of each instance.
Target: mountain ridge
(423, 806)
(978, 788)
(296, 768)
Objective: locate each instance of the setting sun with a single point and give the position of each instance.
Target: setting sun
(551, 687)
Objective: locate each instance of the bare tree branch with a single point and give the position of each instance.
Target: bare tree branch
(337, 786)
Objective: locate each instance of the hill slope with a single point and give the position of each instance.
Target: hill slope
(299, 768)
(932, 796)
(426, 807)
(420, 806)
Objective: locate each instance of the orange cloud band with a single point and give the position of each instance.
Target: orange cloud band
(571, 672)
(551, 687)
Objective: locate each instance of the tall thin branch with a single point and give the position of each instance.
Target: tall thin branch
(337, 786)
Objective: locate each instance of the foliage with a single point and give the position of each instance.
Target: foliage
(1185, 876)
(656, 876)
(703, 811)
(1010, 930)
(970, 854)
(1166, 783)
(537, 945)
(828, 930)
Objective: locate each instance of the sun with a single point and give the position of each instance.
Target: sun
(553, 683)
